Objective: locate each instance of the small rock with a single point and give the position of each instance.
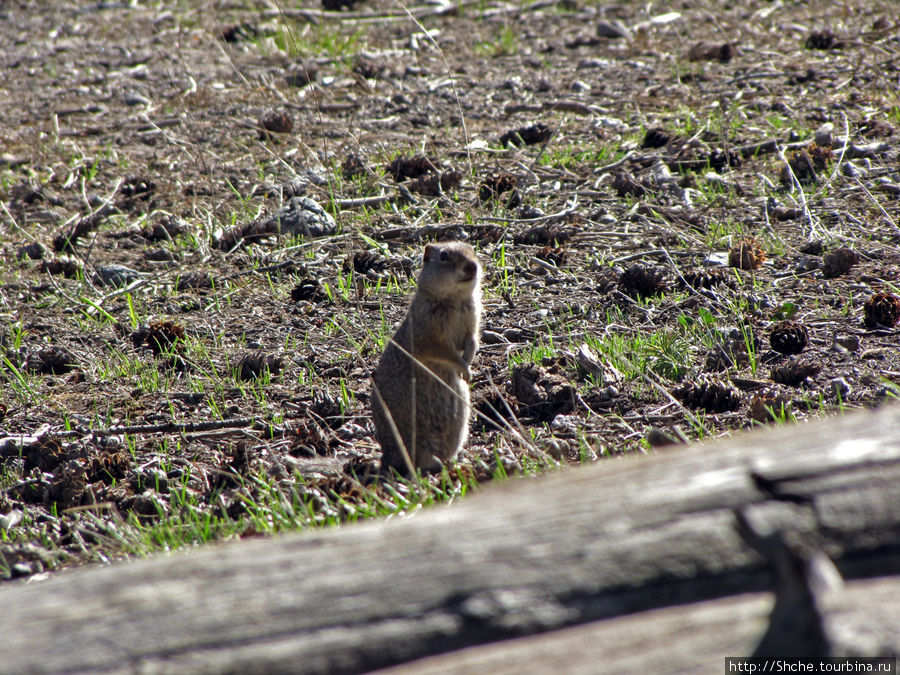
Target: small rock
(490, 337)
(34, 251)
(276, 121)
(277, 470)
(850, 170)
(565, 424)
(10, 520)
(813, 247)
(159, 255)
(708, 51)
(659, 438)
(808, 263)
(515, 335)
(661, 174)
(587, 64)
(786, 213)
(117, 275)
(613, 30)
(823, 134)
(12, 161)
(840, 387)
(133, 99)
(156, 479)
(350, 432)
(848, 342)
(555, 447)
(21, 569)
(301, 75)
(589, 362)
(540, 393)
(607, 393)
(303, 216)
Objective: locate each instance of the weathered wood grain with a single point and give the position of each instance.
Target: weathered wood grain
(623, 536)
(693, 638)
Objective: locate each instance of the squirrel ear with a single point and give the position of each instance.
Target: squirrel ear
(428, 251)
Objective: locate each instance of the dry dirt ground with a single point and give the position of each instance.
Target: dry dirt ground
(653, 190)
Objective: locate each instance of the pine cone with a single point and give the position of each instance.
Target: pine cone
(251, 366)
(882, 309)
(656, 138)
(159, 336)
(746, 255)
(706, 278)
(806, 164)
(354, 165)
(794, 372)
(536, 133)
(823, 39)
(308, 289)
(768, 403)
(55, 360)
(789, 337)
(363, 261)
(642, 281)
(839, 262)
(276, 121)
(403, 168)
(710, 394)
(495, 185)
(627, 185)
(557, 255)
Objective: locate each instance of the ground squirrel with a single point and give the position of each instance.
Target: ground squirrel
(441, 331)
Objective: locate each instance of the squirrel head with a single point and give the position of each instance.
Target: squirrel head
(449, 268)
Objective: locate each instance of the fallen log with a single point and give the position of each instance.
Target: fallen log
(526, 557)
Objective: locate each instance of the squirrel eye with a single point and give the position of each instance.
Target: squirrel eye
(445, 256)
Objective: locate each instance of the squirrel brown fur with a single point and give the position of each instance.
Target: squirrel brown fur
(421, 405)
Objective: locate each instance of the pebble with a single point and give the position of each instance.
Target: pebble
(490, 337)
(613, 30)
(350, 432)
(565, 424)
(117, 275)
(840, 387)
(303, 216)
(823, 135)
(133, 98)
(848, 342)
(659, 438)
(555, 447)
(808, 263)
(21, 570)
(33, 251)
(10, 520)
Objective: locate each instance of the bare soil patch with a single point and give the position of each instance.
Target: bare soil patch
(212, 214)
